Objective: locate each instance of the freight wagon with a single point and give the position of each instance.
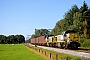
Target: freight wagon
(39, 40)
(68, 39)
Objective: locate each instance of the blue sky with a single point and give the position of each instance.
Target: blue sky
(23, 16)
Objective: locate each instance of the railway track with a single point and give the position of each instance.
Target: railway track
(83, 53)
(83, 50)
(78, 50)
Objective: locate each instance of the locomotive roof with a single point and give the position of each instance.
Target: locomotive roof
(49, 35)
(70, 31)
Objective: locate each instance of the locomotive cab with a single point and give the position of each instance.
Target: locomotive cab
(71, 39)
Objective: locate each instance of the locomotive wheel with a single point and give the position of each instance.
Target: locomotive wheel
(54, 44)
(61, 45)
(75, 46)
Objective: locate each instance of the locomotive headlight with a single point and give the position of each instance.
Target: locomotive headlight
(70, 40)
(76, 40)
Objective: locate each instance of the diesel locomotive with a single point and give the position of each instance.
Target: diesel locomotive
(68, 39)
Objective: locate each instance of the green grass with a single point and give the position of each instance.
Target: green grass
(17, 52)
(61, 56)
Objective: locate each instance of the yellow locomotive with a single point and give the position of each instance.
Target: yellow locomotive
(68, 39)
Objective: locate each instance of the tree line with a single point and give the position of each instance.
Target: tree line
(40, 32)
(12, 39)
(77, 19)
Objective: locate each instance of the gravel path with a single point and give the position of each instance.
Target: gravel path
(84, 56)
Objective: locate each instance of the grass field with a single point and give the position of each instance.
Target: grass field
(61, 56)
(17, 52)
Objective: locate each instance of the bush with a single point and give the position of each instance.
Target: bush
(81, 41)
(85, 42)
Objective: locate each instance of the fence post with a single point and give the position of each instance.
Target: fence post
(56, 56)
(45, 53)
(35, 48)
(66, 58)
(42, 51)
(50, 55)
(39, 50)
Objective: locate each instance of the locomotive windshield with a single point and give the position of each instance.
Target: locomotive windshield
(70, 31)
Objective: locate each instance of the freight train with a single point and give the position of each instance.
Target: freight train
(68, 39)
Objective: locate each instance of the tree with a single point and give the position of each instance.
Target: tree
(40, 32)
(77, 19)
(3, 39)
(77, 23)
(20, 39)
(70, 13)
(33, 36)
(12, 39)
(85, 18)
(60, 26)
(84, 7)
